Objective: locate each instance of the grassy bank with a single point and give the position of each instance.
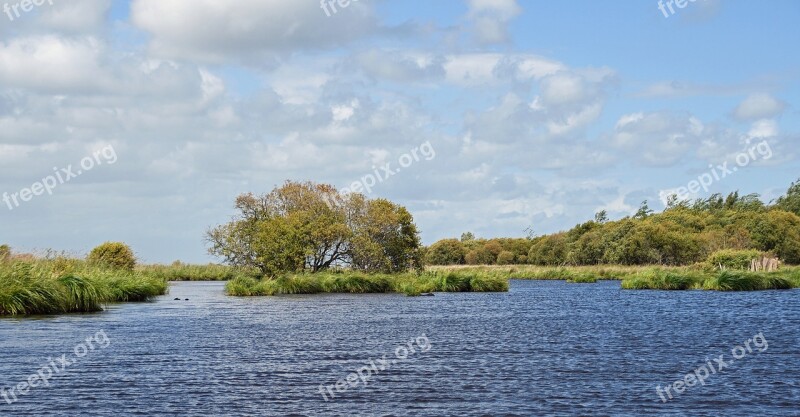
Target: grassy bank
(358, 283)
(647, 277)
(60, 285)
(717, 281)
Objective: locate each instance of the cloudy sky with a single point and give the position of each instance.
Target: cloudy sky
(540, 113)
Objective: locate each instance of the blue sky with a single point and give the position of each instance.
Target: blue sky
(540, 113)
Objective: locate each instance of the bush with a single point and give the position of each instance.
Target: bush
(5, 253)
(113, 255)
(732, 259)
(445, 252)
(480, 256)
(505, 258)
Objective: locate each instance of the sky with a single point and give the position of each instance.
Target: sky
(142, 120)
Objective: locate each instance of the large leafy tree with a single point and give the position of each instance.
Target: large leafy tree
(445, 252)
(311, 227)
(791, 201)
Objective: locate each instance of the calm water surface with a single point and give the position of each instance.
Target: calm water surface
(544, 348)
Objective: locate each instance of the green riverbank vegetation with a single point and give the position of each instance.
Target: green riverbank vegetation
(59, 284)
(702, 276)
(685, 233)
(307, 238)
(409, 283)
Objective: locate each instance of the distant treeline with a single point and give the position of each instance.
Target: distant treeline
(686, 232)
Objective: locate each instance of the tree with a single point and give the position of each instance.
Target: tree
(467, 237)
(115, 255)
(505, 258)
(791, 201)
(778, 232)
(549, 250)
(5, 253)
(445, 252)
(480, 256)
(311, 227)
(494, 247)
(601, 217)
(385, 239)
(643, 212)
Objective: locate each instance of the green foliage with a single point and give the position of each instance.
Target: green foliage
(445, 252)
(658, 279)
(777, 232)
(60, 285)
(791, 201)
(685, 233)
(505, 258)
(5, 253)
(114, 255)
(360, 283)
(302, 227)
(549, 250)
(747, 281)
(480, 256)
(732, 259)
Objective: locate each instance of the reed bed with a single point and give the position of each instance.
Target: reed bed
(695, 277)
(58, 286)
(358, 283)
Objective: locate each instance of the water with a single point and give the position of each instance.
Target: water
(544, 348)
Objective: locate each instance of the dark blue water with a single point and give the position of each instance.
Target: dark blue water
(544, 348)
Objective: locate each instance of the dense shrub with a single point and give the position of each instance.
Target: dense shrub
(549, 250)
(480, 256)
(445, 252)
(732, 259)
(686, 233)
(115, 255)
(505, 258)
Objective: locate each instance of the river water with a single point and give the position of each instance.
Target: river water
(543, 348)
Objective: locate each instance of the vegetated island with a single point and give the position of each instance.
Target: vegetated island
(306, 238)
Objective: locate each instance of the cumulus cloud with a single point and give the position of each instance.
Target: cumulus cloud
(657, 138)
(249, 30)
(204, 100)
(490, 19)
(52, 64)
(758, 106)
(402, 66)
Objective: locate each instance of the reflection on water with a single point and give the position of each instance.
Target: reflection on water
(544, 348)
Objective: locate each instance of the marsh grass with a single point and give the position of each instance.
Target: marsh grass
(646, 277)
(747, 281)
(60, 285)
(359, 283)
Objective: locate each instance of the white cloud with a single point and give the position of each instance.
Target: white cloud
(490, 19)
(51, 63)
(759, 106)
(249, 31)
(657, 138)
